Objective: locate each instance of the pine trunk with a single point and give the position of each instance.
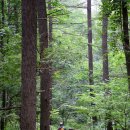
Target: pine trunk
(126, 44)
(90, 53)
(105, 49)
(3, 93)
(29, 31)
(45, 72)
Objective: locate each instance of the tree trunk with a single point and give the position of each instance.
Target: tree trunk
(90, 53)
(3, 106)
(105, 49)
(126, 44)
(45, 72)
(105, 56)
(3, 93)
(29, 31)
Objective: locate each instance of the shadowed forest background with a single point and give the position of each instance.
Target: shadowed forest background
(64, 61)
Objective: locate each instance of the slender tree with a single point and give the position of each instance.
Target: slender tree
(29, 31)
(105, 58)
(126, 43)
(45, 73)
(3, 95)
(105, 51)
(90, 52)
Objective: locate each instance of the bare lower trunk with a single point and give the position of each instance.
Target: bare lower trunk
(3, 93)
(45, 67)
(3, 106)
(90, 53)
(29, 30)
(105, 49)
(126, 39)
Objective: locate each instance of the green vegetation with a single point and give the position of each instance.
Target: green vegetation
(72, 101)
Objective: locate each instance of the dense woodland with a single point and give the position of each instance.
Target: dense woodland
(64, 61)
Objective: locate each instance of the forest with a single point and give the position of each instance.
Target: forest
(64, 65)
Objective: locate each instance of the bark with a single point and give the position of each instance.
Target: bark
(109, 126)
(105, 57)
(29, 31)
(3, 105)
(105, 49)
(90, 54)
(45, 72)
(3, 94)
(126, 44)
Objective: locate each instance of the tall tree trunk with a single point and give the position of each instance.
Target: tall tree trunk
(3, 106)
(90, 53)
(126, 43)
(3, 94)
(105, 55)
(105, 49)
(45, 73)
(29, 31)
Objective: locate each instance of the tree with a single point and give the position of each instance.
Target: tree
(45, 70)
(105, 48)
(3, 94)
(105, 51)
(90, 54)
(126, 43)
(29, 31)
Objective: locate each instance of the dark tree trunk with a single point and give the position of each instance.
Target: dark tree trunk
(3, 94)
(90, 53)
(45, 72)
(126, 44)
(109, 126)
(105, 55)
(105, 49)
(29, 31)
(3, 106)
